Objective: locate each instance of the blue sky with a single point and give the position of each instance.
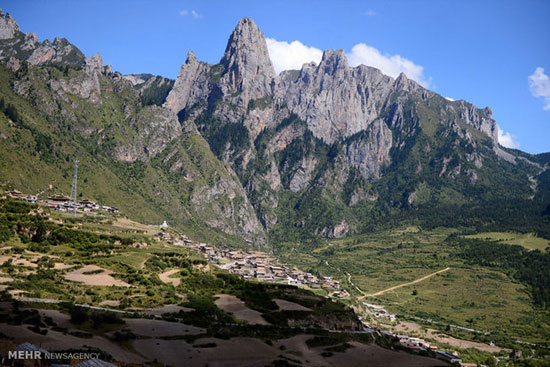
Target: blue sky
(482, 51)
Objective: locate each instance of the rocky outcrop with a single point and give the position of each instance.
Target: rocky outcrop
(85, 85)
(337, 231)
(13, 64)
(137, 79)
(192, 85)
(334, 99)
(8, 26)
(302, 175)
(248, 71)
(482, 120)
(154, 128)
(13, 43)
(308, 152)
(369, 153)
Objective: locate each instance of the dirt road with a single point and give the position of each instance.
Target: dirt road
(404, 284)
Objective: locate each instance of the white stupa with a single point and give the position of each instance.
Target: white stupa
(164, 225)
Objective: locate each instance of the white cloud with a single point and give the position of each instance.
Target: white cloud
(193, 13)
(449, 99)
(391, 65)
(539, 84)
(507, 140)
(369, 13)
(291, 56)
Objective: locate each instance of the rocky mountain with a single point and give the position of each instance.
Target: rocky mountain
(134, 153)
(235, 151)
(16, 46)
(322, 149)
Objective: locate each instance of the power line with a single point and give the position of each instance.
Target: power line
(73, 192)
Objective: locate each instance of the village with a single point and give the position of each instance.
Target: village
(254, 266)
(263, 267)
(257, 265)
(63, 203)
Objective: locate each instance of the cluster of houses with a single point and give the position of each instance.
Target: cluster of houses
(415, 343)
(380, 312)
(419, 344)
(18, 195)
(63, 203)
(257, 265)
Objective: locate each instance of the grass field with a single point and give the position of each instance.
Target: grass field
(468, 296)
(527, 240)
(475, 298)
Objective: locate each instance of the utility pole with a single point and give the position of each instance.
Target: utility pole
(73, 193)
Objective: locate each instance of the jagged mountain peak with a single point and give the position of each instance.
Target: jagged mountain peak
(8, 26)
(314, 152)
(333, 60)
(191, 58)
(16, 45)
(406, 84)
(246, 61)
(247, 44)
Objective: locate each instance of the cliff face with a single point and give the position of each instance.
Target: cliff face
(335, 100)
(330, 131)
(236, 150)
(25, 46)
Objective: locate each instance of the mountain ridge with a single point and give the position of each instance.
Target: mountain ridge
(371, 120)
(325, 151)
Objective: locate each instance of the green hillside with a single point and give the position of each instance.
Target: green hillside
(43, 134)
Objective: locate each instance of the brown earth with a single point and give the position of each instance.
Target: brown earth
(165, 277)
(101, 279)
(238, 308)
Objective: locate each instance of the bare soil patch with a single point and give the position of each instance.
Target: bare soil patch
(5, 279)
(238, 308)
(130, 224)
(17, 260)
(101, 279)
(235, 352)
(110, 303)
(165, 277)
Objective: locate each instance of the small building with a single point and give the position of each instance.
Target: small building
(87, 204)
(59, 200)
(292, 281)
(16, 194)
(31, 199)
(448, 357)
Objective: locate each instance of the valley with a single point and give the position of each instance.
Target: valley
(323, 216)
(419, 276)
